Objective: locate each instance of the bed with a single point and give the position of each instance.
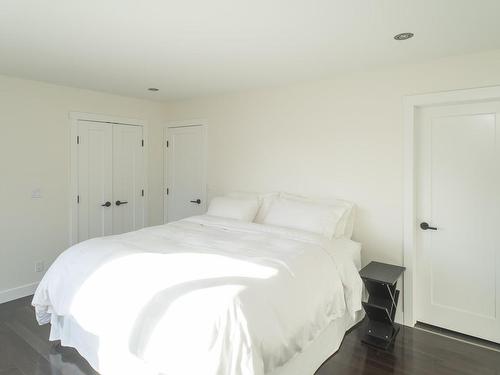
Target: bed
(204, 295)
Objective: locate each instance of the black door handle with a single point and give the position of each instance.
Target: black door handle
(196, 201)
(426, 226)
(119, 203)
(107, 204)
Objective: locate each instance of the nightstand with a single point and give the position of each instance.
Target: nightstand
(380, 280)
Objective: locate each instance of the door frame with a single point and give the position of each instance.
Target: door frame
(74, 117)
(181, 124)
(410, 105)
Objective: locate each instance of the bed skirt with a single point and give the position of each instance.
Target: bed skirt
(326, 344)
(306, 362)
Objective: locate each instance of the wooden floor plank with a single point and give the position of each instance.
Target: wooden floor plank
(25, 350)
(22, 356)
(5, 360)
(11, 371)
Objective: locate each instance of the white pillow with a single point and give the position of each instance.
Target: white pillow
(345, 226)
(234, 208)
(307, 216)
(265, 200)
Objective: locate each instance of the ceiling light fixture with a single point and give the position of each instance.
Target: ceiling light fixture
(153, 89)
(403, 36)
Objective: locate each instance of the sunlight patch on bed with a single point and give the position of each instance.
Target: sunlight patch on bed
(126, 285)
(213, 318)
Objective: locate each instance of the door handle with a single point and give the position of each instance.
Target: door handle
(118, 203)
(426, 226)
(198, 201)
(107, 204)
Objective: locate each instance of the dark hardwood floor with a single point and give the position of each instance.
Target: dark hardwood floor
(25, 350)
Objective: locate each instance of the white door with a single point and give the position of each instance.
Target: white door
(458, 193)
(186, 181)
(95, 190)
(128, 178)
(110, 179)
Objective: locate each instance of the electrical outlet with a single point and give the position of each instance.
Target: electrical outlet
(39, 266)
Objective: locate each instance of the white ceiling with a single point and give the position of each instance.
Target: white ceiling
(199, 47)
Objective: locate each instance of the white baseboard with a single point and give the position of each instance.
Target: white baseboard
(19, 292)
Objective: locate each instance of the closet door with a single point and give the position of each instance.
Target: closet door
(95, 193)
(186, 172)
(128, 178)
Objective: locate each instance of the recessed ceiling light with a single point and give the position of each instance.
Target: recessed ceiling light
(403, 36)
(153, 89)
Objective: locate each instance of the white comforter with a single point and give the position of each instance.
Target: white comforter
(202, 295)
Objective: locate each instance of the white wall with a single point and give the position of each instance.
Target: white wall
(34, 153)
(341, 137)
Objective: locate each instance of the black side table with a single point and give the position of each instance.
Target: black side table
(380, 280)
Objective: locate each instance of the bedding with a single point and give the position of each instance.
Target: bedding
(345, 226)
(310, 360)
(203, 295)
(265, 200)
(243, 209)
(304, 215)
